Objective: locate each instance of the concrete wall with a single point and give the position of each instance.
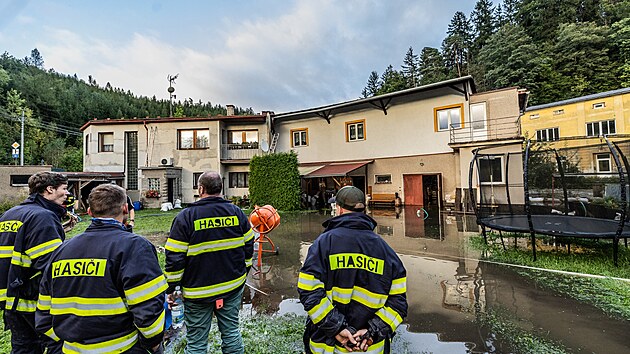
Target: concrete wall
(17, 191)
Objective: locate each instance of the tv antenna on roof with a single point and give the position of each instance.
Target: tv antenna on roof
(171, 89)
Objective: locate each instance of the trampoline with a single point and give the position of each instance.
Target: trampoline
(493, 199)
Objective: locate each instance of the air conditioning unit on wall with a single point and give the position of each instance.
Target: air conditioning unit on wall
(167, 161)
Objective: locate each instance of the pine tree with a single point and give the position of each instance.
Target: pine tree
(484, 21)
(456, 46)
(411, 69)
(510, 11)
(431, 66)
(372, 87)
(36, 59)
(391, 81)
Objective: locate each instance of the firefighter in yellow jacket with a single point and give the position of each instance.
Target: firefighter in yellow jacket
(104, 291)
(29, 233)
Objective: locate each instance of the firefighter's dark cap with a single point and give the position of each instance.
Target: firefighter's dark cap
(350, 198)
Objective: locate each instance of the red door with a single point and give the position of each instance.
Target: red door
(413, 190)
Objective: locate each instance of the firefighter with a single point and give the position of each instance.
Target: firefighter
(208, 253)
(29, 233)
(352, 284)
(104, 290)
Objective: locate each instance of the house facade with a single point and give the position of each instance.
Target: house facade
(162, 158)
(578, 125)
(417, 142)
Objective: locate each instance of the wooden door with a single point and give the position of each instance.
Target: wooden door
(413, 190)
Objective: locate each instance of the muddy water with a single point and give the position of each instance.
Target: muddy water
(447, 287)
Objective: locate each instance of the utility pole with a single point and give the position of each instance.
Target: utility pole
(22, 141)
(171, 89)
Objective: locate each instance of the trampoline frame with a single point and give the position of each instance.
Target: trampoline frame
(623, 172)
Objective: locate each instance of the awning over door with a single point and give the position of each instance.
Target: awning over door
(336, 169)
(305, 170)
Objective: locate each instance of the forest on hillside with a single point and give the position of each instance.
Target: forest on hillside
(56, 105)
(557, 49)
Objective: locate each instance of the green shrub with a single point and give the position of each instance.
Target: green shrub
(274, 179)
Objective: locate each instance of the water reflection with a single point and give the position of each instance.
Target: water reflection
(447, 287)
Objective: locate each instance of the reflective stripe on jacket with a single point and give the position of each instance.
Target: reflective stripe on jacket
(103, 291)
(209, 250)
(29, 233)
(351, 277)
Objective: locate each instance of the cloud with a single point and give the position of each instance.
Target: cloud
(313, 53)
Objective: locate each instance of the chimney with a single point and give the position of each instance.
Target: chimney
(230, 109)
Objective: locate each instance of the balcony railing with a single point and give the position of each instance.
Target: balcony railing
(240, 151)
(491, 129)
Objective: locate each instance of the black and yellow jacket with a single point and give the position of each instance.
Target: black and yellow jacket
(209, 250)
(29, 233)
(103, 292)
(351, 278)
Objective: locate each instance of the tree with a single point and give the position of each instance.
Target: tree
(456, 45)
(510, 10)
(581, 56)
(274, 179)
(391, 81)
(411, 69)
(483, 19)
(620, 40)
(431, 66)
(36, 59)
(372, 87)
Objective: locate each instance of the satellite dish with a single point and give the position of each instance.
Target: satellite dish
(264, 146)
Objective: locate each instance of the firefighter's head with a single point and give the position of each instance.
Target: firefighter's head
(210, 184)
(108, 201)
(50, 185)
(350, 198)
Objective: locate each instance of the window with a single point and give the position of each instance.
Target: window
(383, 179)
(196, 176)
(601, 128)
(549, 134)
(534, 116)
(558, 112)
(194, 139)
(300, 137)
(448, 117)
(242, 136)
(105, 142)
(603, 162)
(478, 115)
(355, 130)
(239, 179)
(87, 144)
(19, 180)
(599, 105)
(153, 184)
(490, 170)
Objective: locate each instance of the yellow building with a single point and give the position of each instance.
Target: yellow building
(578, 125)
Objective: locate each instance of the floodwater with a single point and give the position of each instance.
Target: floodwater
(447, 286)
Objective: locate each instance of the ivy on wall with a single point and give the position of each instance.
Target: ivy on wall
(274, 179)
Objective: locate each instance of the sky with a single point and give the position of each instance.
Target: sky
(271, 55)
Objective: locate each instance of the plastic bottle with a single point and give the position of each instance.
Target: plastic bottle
(177, 309)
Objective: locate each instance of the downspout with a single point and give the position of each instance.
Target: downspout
(146, 163)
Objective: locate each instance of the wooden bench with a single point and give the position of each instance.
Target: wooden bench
(382, 198)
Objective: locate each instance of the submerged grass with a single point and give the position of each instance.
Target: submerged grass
(609, 295)
(502, 324)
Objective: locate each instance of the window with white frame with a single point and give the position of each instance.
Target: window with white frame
(478, 115)
(193, 139)
(153, 184)
(549, 134)
(599, 105)
(355, 130)
(105, 142)
(604, 127)
(603, 163)
(534, 116)
(447, 117)
(19, 180)
(299, 137)
(382, 179)
(558, 112)
(490, 169)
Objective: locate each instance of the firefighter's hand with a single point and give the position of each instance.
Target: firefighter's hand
(170, 300)
(346, 339)
(363, 340)
(158, 349)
